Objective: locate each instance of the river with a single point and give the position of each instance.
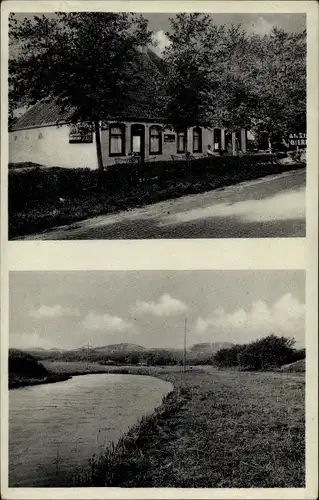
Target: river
(54, 429)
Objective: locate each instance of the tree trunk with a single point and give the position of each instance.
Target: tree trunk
(99, 153)
(269, 143)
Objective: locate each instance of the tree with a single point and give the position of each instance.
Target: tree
(223, 76)
(159, 357)
(278, 83)
(133, 358)
(270, 351)
(84, 61)
(229, 356)
(21, 363)
(189, 95)
(207, 67)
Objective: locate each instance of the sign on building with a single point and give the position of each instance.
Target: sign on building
(80, 134)
(298, 139)
(169, 137)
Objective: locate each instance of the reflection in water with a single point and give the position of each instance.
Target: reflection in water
(56, 428)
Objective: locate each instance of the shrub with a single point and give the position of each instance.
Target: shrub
(266, 353)
(40, 198)
(39, 185)
(228, 356)
(23, 364)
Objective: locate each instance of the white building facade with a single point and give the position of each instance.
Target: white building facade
(67, 146)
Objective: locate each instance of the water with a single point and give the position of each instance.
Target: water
(56, 428)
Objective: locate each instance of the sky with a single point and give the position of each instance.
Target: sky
(258, 23)
(255, 23)
(69, 309)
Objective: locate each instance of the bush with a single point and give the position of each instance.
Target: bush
(39, 185)
(228, 356)
(40, 198)
(23, 364)
(265, 353)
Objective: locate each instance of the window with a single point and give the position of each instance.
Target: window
(181, 141)
(155, 140)
(117, 140)
(217, 139)
(197, 140)
(136, 143)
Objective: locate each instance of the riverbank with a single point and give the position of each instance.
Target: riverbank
(18, 381)
(217, 429)
(60, 371)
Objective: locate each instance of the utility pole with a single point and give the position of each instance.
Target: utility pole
(87, 355)
(184, 356)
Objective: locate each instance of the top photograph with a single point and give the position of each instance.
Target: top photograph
(156, 126)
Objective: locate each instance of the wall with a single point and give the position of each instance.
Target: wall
(49, 146)
(168, 148)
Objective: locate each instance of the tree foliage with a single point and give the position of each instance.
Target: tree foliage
(223, 76)
(278, 82)
(229, 356)
(23, 364)
(267, 352)
(84, 61)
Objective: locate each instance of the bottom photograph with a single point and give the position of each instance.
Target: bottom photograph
(183, 379)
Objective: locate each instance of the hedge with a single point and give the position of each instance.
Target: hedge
(40, 198)
(32, 186)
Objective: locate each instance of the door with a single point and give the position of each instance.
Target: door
(138, 140)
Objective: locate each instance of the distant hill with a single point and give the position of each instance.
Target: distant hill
(123, 347)
(126, 348)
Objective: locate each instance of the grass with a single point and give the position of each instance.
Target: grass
(80, 367)
(217, 429)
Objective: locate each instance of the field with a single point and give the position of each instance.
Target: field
(221, 429)
(80, 367)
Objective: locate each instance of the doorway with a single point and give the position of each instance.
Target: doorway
(138, 141)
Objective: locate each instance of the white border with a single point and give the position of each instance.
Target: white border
(178, 254)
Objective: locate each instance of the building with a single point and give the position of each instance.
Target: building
(43, 134)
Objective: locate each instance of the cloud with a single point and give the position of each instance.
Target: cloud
(162, 41)
(286, 316)
(261, 26)
(53, 311)
(164, 306)
(97, 321)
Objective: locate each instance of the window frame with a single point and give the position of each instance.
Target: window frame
(160, 142)
(123, 135)
(200, 140)
(179, 132)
